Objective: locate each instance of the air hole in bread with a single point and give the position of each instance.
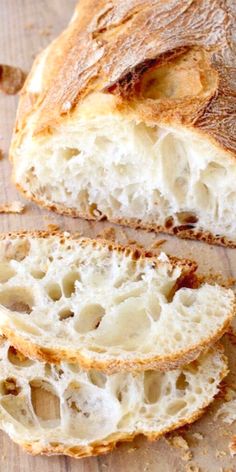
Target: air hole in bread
(231, 199)
(97, 349)
(27, 327)
(68, 283)
(6, 272)
(97, 378)
(65, 313)
(130, 326)
(38, 274)
(15, 357)
(125, 421)
(139, 277)
(211, 380)
(119, 282)
(17, 250)
(9, 387)
(178, 336)
(216, 169)
(68, 153)
(203, 195)
(90, 318)
(152, 386)
(193, 367)
(54, 291)
(181, 382)
(169, 222)
(17, 299)
(94, 211)
(91, 410)
(169, 291)
(154, 307)
(175, 407)
(187, 297)
(187, 217)
(60, 371)
(42, 393)
(114, 202)
(187, 75)
(129, 294)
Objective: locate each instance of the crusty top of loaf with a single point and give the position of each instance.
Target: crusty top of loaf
(110, 46)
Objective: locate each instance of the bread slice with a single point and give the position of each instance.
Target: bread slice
(63, 410)
(129, 116)
(106, 306)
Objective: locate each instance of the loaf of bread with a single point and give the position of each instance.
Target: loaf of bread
(63, 410)
(129, 115)
(105, 306)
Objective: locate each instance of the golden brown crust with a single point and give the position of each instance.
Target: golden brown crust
(180, 231)
(125, 39)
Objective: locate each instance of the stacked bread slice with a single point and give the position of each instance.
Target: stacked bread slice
(121, 341)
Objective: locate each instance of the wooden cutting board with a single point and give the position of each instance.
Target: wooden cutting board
(26, 26)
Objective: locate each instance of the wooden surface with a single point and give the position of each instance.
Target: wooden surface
(26, 26)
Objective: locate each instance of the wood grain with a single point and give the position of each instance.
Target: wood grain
(26, 26)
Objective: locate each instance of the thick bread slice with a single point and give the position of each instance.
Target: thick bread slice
(129, 115)
(87, 413)
(106, 306)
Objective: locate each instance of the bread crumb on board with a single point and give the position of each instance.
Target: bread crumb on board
(198, 436)
(192, 468)
(13, 207)
(132, 449)
(220, 454)
(187, 456)
(181, 443)
(45, 32)
(227, 411)
(1, 154)
(178, 441)
(29, 26)
(11, 79)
